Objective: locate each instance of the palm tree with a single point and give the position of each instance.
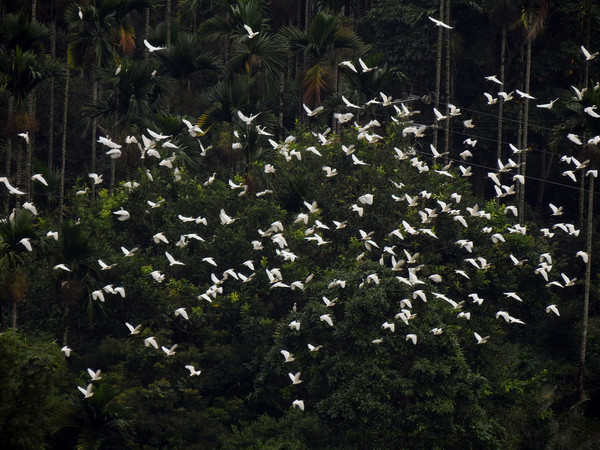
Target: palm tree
(98, 38)
(360, 87)
(194, 11)
(262, 54)
(186, 57)
(22, 68)
(74, 250)
(226, 98)
(324, 43)
(128, 99)
(228, 25)
(14, 257)
(99, 422)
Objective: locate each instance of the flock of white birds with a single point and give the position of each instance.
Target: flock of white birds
(154, 145)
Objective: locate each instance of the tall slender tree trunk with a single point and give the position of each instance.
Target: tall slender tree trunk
(9, 141)
(52, 92)
(582, 193)
(447, 129)
(500, 100)
(335, 125)
(95, 94)
(438, 70)
(65, 325)
(588, 27)
(31, 112)
(525, 143)
(168, 21)
(30, 144)
(113, 170)
(586, 72)
(586, 294)
(281, 92)
(14, 316)
(18, 173)
(63, 163)
(545, 173)
(146, 31)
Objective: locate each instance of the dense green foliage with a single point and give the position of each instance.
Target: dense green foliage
(353, 222)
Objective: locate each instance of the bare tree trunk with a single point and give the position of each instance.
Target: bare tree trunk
(14, 317)
(546, 166)
(524, 144)
(64, 142)
(66, 325)
(19, 174)
(586, 295)
(335, 125)
(307, 14)
(168, 20)
(588, 25)
(30, 144)
(500, 100)
(281, 91)
(447, 131)
(438, 70)
(52, 91)
(8, 167)
(582, 194)
(31, 107)
(146, 31)
(95, 94)
(113, 170)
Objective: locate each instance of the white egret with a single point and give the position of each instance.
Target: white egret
(26, 243)
(251, 34)
(439, 23)
(87, 392)
(313, 112)
(494, 79)
(94, 375)
(169, 351)
(480, 340)
(287, 355)
(122, 215)
(150, 341)
(39, 177)
(95, 177)
(295, 377)
(412, 337)
(298, 404)
(133, 330)
(588, 56)
(29, 206)
(193, 371)
(173, 261)
(152, 48)
(225, 219)
(326, 318)
(182, 312)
